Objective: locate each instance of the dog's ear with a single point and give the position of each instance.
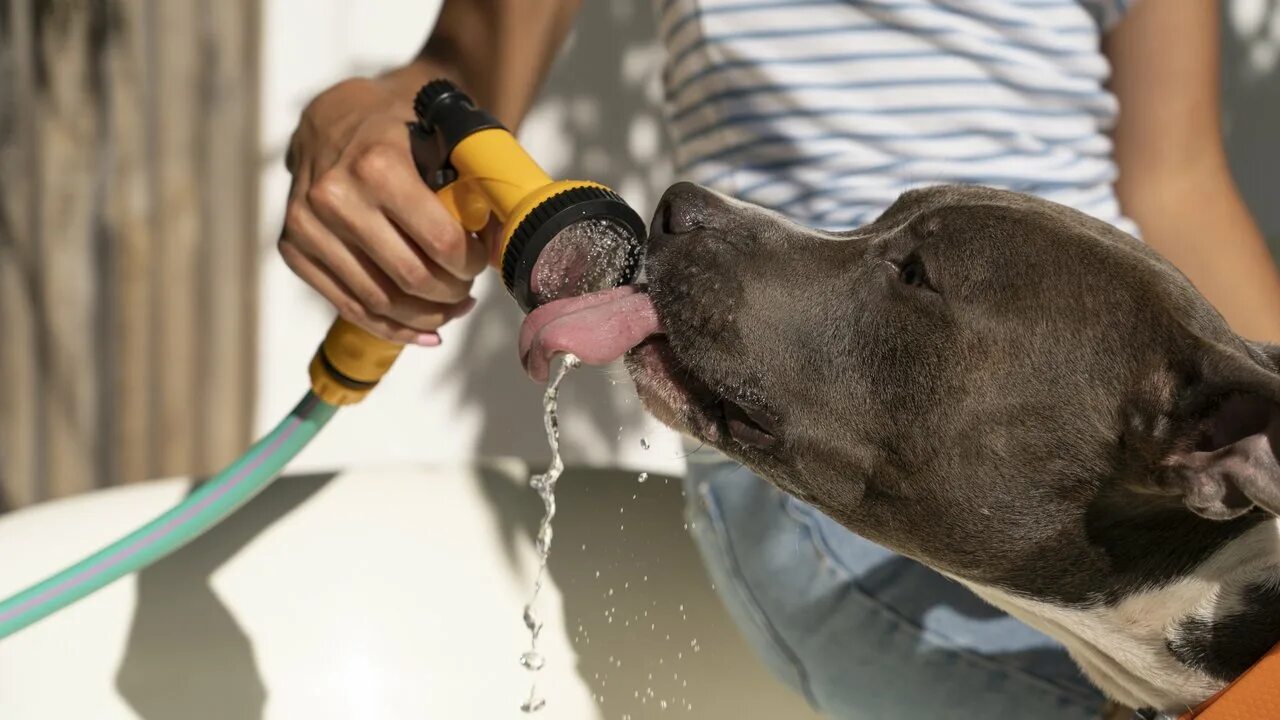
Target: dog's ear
(1225, 456)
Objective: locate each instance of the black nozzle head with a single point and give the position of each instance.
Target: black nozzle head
(578, 241)
(446, 116)
(428, 95)
(424, 103)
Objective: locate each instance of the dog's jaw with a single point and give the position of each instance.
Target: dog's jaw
(1125, 647)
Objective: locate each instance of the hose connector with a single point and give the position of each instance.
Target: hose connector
(349, 363)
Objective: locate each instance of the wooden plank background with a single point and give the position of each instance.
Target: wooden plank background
(128, 185)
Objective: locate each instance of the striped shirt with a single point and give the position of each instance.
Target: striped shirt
(826, 110)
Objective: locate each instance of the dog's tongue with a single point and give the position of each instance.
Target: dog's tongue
(599, 328)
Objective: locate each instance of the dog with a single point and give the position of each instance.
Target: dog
(1012, 392)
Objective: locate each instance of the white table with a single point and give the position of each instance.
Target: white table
(382, 593)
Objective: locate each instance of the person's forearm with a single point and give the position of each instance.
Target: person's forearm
(1174, 180)
(1198, 221)
(499, 51)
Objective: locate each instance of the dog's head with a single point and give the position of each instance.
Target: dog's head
(978, 379)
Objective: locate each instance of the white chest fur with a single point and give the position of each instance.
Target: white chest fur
(1123, 648)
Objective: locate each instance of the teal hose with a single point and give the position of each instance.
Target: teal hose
(204, 508)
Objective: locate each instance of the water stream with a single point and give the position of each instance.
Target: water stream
(545, 485)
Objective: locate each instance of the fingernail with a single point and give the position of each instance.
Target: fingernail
(427, 339)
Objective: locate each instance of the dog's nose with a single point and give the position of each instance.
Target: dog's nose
(683, 209)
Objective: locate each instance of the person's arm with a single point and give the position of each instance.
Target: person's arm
(1174, 178)
(361, 226)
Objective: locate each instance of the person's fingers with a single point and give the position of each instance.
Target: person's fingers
(363, 279)
(388, 177)
(348, 306)
(343, 208)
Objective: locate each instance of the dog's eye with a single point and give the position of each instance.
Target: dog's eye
(911, 272)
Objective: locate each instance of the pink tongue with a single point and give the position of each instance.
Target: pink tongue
(599, 328)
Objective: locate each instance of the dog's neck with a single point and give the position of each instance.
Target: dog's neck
(1170, 648)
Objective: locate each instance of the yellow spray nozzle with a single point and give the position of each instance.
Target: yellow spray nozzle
(349, 363)
(559, 238)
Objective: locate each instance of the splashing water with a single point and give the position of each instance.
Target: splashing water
(591, 254)
(545, 485)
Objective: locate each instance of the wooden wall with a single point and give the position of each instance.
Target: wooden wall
(128, 184)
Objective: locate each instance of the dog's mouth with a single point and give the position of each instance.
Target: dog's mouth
(603, 327)
(680, 397)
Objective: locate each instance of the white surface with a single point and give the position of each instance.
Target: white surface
(360, 603)
(390, 594)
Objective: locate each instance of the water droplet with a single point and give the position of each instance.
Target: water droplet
(532, 660)
(644, 444)
(531, 620)
(533, 704)
(643, 476)
(663, 704)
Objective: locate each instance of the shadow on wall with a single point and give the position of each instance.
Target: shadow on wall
(601, 96)
(1251, 105)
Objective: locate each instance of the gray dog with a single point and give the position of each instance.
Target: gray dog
(1009, 391)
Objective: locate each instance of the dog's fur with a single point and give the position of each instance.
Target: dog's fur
(1012, 392)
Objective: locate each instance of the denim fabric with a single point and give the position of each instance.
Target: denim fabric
(864, 633)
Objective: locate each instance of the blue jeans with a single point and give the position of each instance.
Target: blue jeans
(861, 632)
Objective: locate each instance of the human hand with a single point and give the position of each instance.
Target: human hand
(363, 229)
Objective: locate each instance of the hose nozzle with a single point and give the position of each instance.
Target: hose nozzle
(559, 238)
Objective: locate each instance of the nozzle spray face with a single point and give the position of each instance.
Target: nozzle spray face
(576, 241)
(589, 255)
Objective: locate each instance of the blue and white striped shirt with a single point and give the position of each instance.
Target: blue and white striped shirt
(826, 110)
